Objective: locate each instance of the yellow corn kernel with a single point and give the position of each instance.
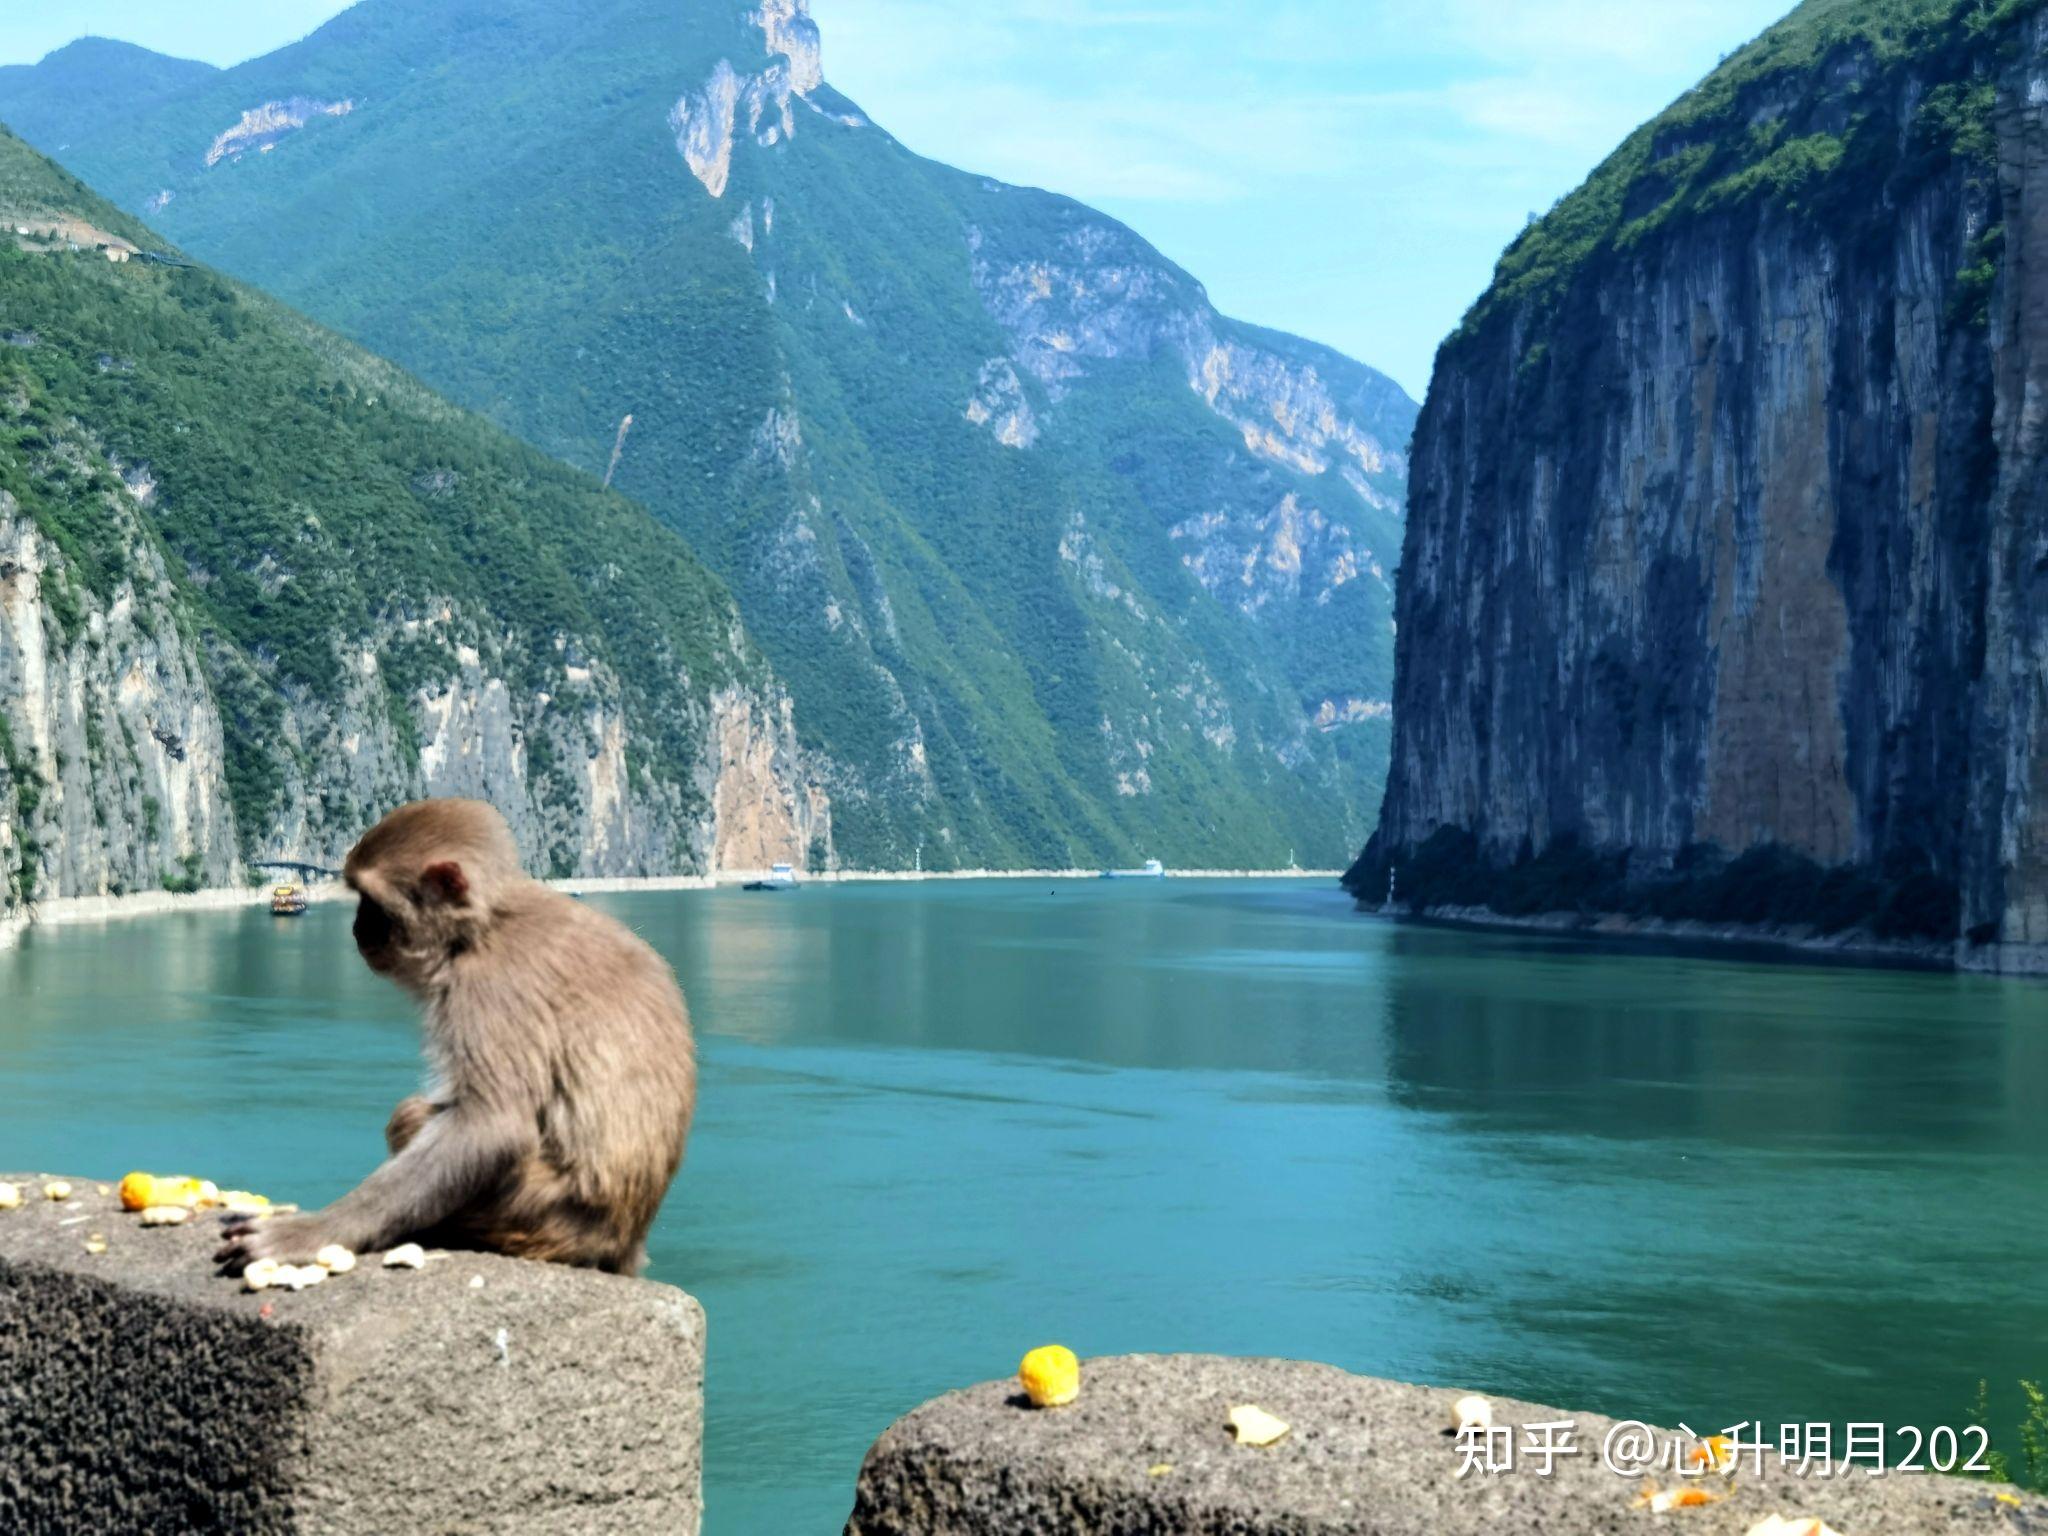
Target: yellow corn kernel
(140, 1191)
(1255, 1426)
(1050, 1375)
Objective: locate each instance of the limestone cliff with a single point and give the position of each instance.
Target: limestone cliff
(114, 768)
(1722, 593)
(1059, 565)
(257, 587)
(110, 742)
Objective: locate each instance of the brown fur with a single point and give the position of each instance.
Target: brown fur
(564, 1071)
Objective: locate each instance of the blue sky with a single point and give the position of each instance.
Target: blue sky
(1347, 169)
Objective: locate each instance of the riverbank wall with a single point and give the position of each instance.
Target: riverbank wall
(103, 909)
(63, 910)
(146, 1393)
(1148, 1447)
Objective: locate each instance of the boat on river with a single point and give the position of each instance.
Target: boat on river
(1152, 870)
(287, 901)
(781, 878)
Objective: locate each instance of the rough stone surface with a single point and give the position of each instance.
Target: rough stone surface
(139, 1391)
(1363, 1458)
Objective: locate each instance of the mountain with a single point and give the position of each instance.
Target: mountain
(257, 586)
(83, 82)
(1723, 592)
(1060, 565)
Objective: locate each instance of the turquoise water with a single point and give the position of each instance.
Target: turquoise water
(942, 1123)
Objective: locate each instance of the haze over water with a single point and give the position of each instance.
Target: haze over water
(942, 1123)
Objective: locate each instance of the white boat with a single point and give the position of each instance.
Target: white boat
(1153, 870)
(781, 878)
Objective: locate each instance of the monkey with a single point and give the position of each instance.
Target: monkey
(563, 1073)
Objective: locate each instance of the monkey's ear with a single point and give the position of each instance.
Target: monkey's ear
(446, 881)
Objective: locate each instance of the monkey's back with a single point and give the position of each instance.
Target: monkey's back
(606, 1070)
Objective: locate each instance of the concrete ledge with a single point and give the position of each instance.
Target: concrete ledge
(1364, 1458)
(141, 1392)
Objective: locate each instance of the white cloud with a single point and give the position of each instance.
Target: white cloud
(1549, 112)
(1295, 152)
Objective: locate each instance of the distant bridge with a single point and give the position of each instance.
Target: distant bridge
(304, 871)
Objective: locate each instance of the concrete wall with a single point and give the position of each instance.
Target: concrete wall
(1147, 1448)
(141, 1392)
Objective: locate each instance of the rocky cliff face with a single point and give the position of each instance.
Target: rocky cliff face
(114, 770)
(257, 587)
(110, 741)
(1722, 593)
(1301, 548)
(1059, 565)
(1085, 291)
(1087, 294)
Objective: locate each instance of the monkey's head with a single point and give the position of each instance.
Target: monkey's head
(429, 876)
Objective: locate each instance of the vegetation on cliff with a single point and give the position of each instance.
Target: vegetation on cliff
(320, 514)
(950, 443)
(1774, 128)
(94, 75)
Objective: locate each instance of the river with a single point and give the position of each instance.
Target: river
(944, 1122)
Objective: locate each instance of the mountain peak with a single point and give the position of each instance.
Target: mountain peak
(95, 49)
(86, 79)
(1060, 566)
(705, 120)
(788, 29)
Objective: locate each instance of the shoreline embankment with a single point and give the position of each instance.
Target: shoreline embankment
(1851, 948)
(60, 911)
(64, 911)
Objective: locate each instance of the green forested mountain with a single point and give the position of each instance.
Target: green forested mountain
(1060, 565)
(83, 81)
(257, 585)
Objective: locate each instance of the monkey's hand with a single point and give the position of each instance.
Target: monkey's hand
(455, 1157)
(288, 1239)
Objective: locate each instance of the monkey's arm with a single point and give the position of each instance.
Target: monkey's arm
(407, 1119)
(458, 1154)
